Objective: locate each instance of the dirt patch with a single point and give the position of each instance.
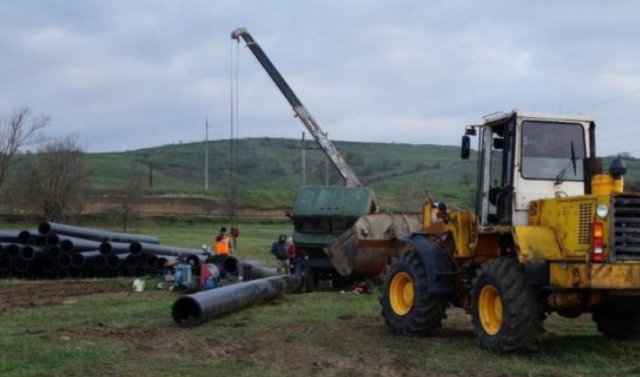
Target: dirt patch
(308, 349)
(36, 294)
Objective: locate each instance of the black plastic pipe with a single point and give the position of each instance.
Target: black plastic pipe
(20, 265)
(31, 237)
(258, 271)
(84, 258)
(6, 264)
(150, 261)
(65, 261)
(198, 308)
(54, 252)
(162, 262)
(94, 234)
(25, 235)
(99, 263)
(9, 236)
(115, 261)
(49, 265)
(138, 248)
(107, 248)
(230, 266)
(30, 253)
(75, 244)
(132, 261)
(12, 250)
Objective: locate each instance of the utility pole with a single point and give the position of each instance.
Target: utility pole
(304, 147)
(206, 154)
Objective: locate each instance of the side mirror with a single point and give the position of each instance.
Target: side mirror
(466, 147)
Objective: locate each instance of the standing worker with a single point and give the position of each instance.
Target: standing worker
(292, 254)
(279, 250)
(222, 246)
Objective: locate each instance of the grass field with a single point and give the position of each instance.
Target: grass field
(100, 328)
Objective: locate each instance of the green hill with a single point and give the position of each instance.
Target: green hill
(269, 171)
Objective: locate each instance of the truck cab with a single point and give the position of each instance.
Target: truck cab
(524, 157)
(320, 214)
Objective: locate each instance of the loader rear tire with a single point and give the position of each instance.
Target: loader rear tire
(618, 325)
(407, 307)
(507, 314)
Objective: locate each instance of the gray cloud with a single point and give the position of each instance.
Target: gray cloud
(126, 75)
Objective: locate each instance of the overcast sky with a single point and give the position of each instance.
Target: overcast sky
(124, 74)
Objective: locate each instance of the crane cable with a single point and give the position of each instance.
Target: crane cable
(233, 148)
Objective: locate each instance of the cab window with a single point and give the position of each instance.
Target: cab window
(552, 151)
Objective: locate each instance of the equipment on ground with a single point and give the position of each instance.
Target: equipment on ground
(322, 213)
(550, 234)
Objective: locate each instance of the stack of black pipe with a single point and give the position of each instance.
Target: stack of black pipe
(63, 251)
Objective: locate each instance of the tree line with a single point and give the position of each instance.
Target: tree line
(48, 176)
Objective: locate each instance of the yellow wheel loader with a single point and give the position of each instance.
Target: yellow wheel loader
(551, 233)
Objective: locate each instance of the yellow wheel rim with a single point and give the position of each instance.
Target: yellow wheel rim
(401, 293)
(490, 309)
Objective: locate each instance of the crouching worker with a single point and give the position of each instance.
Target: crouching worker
(279, 250)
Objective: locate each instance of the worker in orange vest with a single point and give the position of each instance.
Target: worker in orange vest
(222, 245)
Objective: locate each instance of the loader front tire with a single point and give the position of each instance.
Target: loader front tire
(407, 306)
(507, 314)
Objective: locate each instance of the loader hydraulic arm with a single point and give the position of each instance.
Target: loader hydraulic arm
(300, 110)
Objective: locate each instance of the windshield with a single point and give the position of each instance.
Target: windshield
(553, 151)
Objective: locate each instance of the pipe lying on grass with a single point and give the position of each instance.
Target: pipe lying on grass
(192, 310)
(256, 270)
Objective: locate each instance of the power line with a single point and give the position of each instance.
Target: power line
(608, 100)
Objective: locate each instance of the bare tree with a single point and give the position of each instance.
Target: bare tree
(54, 179)
(130, 193)
(16, 131)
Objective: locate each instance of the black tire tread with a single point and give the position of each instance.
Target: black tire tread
(428, 311)
(523, 314)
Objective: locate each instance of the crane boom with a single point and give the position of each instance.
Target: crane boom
(350, 179)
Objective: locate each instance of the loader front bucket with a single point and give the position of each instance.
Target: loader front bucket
(365, 248)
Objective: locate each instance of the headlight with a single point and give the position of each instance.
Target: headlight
(602, 210)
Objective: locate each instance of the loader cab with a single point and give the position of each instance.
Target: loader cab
(524, 157)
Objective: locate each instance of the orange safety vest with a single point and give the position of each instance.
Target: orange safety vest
(222, 246)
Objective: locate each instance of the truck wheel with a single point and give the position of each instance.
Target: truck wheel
(407, 307)
(618, 325)
(507, 314)
(310, 281)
